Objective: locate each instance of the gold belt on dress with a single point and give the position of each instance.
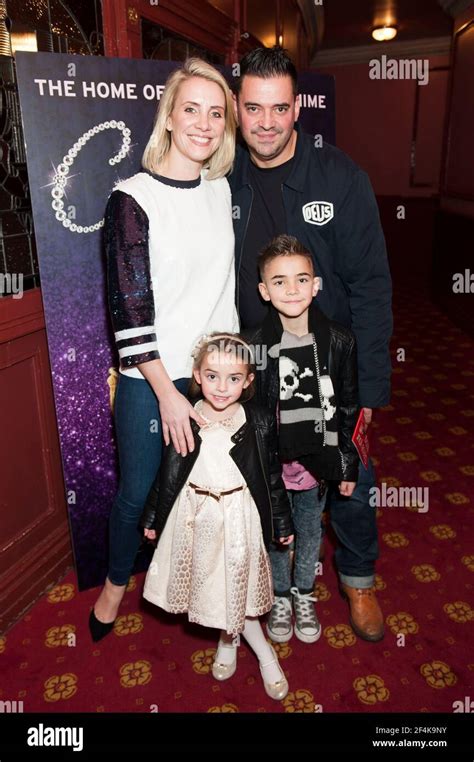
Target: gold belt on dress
(216, 495)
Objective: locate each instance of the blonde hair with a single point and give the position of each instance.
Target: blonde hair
(223, 342)
(159, 143)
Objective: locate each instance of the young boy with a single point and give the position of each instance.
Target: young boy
(309, 378)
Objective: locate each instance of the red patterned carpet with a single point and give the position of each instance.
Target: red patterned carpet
(156, 662)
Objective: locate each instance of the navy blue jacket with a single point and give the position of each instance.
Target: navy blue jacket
(347, 244)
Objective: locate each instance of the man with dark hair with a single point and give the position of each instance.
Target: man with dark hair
(265, 63)
(283, 183)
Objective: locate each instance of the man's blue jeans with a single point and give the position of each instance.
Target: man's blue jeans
(306, 510)
(355, 524)
(140, 444)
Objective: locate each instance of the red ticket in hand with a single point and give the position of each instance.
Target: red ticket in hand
(361, 440)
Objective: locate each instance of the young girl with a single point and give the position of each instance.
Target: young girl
(217, 510)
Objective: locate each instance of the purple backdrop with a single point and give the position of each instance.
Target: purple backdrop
(79, 112)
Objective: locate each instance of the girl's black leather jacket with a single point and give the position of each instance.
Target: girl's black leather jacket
(255, 454)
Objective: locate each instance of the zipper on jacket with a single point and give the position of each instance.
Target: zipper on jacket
(321, 402)
(318, 376)
(342, 462)
(257, 438)
(241, 252)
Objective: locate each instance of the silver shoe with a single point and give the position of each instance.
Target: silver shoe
(277, 690)
(224, 671)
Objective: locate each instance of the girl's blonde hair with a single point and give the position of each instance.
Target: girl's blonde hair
(224, 342)
(220, 163)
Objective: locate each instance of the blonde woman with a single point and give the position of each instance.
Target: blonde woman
(170, 262)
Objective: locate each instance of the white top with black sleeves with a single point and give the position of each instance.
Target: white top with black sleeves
(170, 268)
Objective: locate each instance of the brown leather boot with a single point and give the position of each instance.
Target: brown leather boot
(366, 617)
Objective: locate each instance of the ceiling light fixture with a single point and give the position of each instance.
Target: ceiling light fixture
(384, 33)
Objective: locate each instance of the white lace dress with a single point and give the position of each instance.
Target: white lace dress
(211, 560)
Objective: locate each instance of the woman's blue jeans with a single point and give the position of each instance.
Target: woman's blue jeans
(140, 443)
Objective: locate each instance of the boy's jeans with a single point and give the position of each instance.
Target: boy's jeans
(306, 510)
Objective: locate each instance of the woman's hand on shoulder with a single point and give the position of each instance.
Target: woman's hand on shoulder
(175, 412)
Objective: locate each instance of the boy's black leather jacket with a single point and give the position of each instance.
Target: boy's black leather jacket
(255, 454)
(343, 372)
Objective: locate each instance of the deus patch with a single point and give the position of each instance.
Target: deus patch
(318, 212)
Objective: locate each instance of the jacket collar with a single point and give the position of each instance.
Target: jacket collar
(272, 327)
(236, 437)
(296, 179)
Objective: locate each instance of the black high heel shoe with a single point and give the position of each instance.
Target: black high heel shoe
(98, 629)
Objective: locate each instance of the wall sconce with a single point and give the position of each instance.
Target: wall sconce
(384, 33)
